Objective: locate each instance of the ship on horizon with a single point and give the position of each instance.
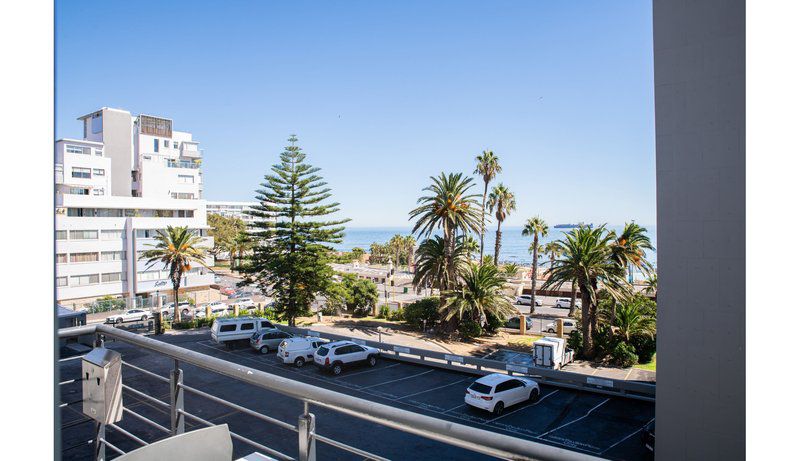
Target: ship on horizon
(571, 226)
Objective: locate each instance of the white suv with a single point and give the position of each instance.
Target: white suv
(335, 356)
(563, 303)
(299, 350)
(498, 391)
(129, 315)
(569, 326)
(525, 300)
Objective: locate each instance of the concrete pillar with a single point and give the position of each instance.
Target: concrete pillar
(522, 324)
(560, 328)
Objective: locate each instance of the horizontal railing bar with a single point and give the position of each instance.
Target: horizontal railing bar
(65, 404)
(241, 438)
(74, 357)
(346, 447)
(124, 432)
(240, 408)
(148, 421)
(69, 381)
(448, 432)
(147, 372)
(145, 396)
(111, 446)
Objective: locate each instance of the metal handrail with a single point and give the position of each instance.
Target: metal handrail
(470, 438)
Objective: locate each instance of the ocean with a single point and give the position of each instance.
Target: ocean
(514, 247)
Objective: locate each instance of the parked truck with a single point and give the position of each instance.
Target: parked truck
(551, 353)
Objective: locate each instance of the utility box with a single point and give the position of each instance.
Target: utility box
(551, 353)
(102, 385)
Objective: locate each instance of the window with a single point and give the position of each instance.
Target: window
(99, 191)
(61, 258)
(166, 143)
(155, 145)
(146, 233)
(81, 172)
(113, 234)
(82, 257)
(185, 179)
(266, 324)
(61, 235)
(113, 277)
(247, 326)
(81, 280)
(99, 172)
(112, 256)
(182, 195)
(83, 234)
(98, 152)
(79, 191)
(61, 281)
(175, 145)
(147, 276)
(97, 122)
(164, 213)
(228, 327)
(78, 150)
(504, 386)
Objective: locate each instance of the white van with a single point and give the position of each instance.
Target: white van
(551, 353)
(299, 350)
(227, 330)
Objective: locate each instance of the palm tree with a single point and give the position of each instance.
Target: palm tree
(553, 251)
(488, 167)
(651, 284)
(241, 244)
(587, 260)
(432, 266)
(409, 243)
(478, 296)
(631, 320)
(510, 270)
(451, 208)
(397, 245)
(535, 227)
(628, 250)
(470, 245)
(503, 202)
(177, 248)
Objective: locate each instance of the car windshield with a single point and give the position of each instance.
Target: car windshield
(255, 335)
(481, 388)
(322, 351)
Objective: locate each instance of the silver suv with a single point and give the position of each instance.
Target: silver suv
(335, 356)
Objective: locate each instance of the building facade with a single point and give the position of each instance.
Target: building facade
(128, 178)
(232, 210)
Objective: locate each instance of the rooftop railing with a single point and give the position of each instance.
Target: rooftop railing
(447, 432)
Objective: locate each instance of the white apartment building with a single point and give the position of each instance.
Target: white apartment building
(129, 177)
(232, 210)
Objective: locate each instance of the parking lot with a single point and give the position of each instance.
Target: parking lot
(587, 422)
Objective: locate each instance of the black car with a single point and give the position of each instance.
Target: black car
(649, 436)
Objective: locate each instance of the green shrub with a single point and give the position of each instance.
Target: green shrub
(493, 322)
(645, 347)
(426, 309)
(384, 312)
(624, 355)
(605, 342)
(575, 341)
(329, 310)
(469, 329)
(399, 315)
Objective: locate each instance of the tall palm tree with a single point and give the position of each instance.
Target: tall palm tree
(178, 249)
(503, 202)
(479, 295)
(651, 284)
(488, 167)
(553, 251)
(451, 208)
(631, 319)
(628, 251)
(587, 260)
(397, 245)
(470, 245)
(432, 268)
(535, 227)
(409, 244)
(510, 270)
(241, 244)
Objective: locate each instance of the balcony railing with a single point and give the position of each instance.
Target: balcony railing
(182, 164)
(447, 432)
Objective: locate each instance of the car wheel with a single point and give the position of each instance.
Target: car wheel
(144, 318)
(185, 312)
(534, 397)
(371, 361)
(264, 350)
(119, 320)
(299, 362)
(337, 369)
(551, 330)
(498, 409)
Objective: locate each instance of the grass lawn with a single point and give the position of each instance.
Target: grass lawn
(650, 366)
(523, 341)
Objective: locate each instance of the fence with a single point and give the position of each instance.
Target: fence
(478, 440)
(480, 366)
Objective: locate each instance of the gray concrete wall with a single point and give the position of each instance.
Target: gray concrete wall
(699, 50)
(118, 145)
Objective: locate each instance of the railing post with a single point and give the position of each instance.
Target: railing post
(100, 447)
(306, 428)
(177, 424)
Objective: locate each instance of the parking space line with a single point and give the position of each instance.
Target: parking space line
(454, 408)
(629, 436)
(371, 370)
(575, 420)
(524, 407)
(433, 388)
(398, 379)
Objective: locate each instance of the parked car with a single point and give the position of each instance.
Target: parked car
(525, 300)
(227, 291)
(569, 326)
(244, 303)
(299, 350)
(217, 279)
(129, 316)
(513, 322)
(268, 340)
(497, 391)
(563, 303)
(337, 355)
(217, 309)
(184, 306)
(229, 330)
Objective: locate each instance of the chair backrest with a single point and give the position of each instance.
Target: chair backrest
(207, 444)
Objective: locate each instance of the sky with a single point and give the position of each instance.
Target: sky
(383, 95)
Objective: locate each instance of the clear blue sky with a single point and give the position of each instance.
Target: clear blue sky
(383, 95)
